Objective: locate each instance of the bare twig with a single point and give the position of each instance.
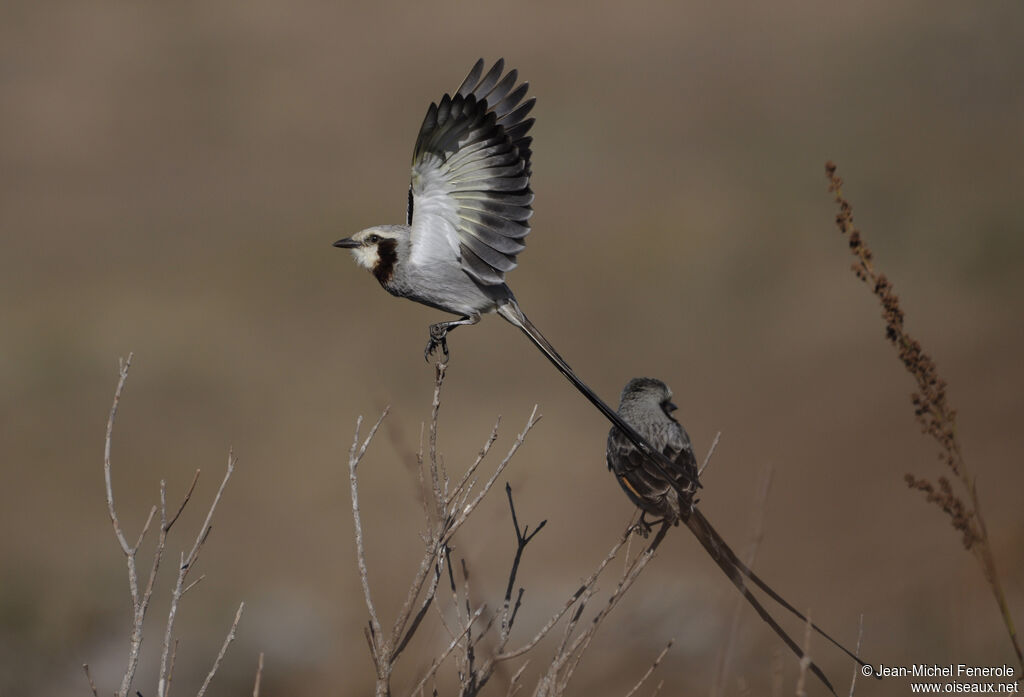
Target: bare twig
(447, 507)
(777, 672)
(140, 602)
(468, 509)
(422, 612)
(190, 586)
(355, 455)
(707, 458)
(436, 663)
(651, 670)
(435, 477)
(259, 677)
(170, 668)
(223, 650)
(805, 660)
(513, 684)
(569, 652)
(582, 642)
(187, 562)
(141, 597)
(465, 486)
(139, 605)
(124, 365)
(856, 668)
(88, 676)
(523, 538)
(184, 501)
(569, 603)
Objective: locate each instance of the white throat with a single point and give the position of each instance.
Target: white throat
(367, 257)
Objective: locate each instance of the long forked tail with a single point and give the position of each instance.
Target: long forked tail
(737, 571)
(712, 542)
(511, 312)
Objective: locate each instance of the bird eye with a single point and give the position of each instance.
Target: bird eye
(373, 239)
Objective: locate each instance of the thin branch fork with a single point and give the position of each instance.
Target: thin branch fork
(446, 510)
(571, 650)
(508, 615)
(140, 603)
(141, 599)
(187, 562)
(474, 679)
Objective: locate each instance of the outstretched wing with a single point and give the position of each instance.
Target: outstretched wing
(470, 194)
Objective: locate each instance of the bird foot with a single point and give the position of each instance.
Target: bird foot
(438, 339)
(643, 527)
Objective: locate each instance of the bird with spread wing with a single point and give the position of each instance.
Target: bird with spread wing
(467, 220)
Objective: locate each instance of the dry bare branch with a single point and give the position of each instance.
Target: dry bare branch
(259, 677)
(856, 669)
(356, 454)
(187, 562)
(707, 458)
(436, 663)
(805, 660)
(88, 676)
(447, 508)
(223, 650)
(124, 365)
(650, 670)
(141, 597)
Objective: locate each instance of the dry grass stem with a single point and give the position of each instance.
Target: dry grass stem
(805, 661)
(778, 673)
(856, 669)
(932, 410)
(725, 656)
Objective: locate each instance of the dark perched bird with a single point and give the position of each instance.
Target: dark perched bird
(646, 405)
(467, 220)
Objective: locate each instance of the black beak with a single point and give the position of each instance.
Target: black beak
(670, 407)
(348, 243)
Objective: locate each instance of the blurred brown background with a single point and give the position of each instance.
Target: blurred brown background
(172, 176)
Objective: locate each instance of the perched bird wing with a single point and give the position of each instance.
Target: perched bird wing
(470, 194)
(644, 481)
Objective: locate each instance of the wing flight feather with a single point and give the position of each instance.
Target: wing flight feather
(470, 194)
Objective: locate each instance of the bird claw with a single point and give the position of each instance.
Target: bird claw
(643, 528)
(438, 339)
